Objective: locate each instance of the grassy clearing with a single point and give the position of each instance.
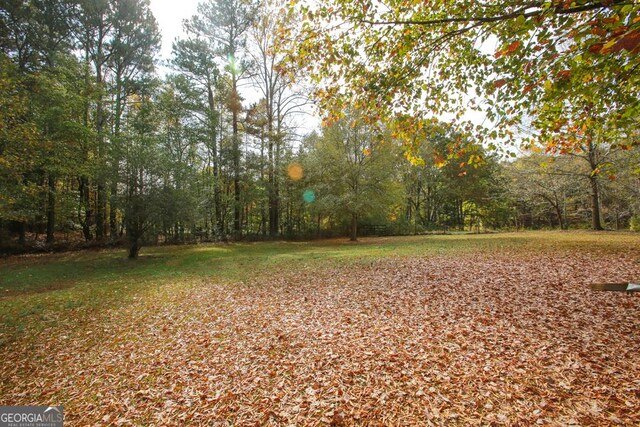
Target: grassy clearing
(42, 290)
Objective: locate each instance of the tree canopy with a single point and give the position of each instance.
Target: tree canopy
(563, 64)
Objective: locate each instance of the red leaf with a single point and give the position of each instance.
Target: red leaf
(508, 50)
(595, 48)
(513, 46)
(499, 83)
(629, 42)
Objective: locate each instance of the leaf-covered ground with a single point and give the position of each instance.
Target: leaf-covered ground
(499, 334)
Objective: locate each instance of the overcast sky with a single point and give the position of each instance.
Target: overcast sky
(170, 14)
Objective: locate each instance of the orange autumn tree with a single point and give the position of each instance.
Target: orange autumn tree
(568, 68)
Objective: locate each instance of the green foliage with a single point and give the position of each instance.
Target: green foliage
(352, 170)
(39, 133)
(453, 182)
(634, 224)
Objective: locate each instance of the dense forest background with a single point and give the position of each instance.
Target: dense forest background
(99, 145)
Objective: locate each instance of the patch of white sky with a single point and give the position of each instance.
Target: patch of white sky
(170, 15)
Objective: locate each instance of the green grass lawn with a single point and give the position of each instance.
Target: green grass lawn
(40, 290)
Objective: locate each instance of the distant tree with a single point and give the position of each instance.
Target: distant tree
(199, 81)
(36, 43)
(546, 181)
(179, 138)
(136, 40)
(275, 80)
(144, 168)
(18, 142)
(119, 40)
(352, 171)
(628, 180)
(95, 28)
(587, 162)
(450, 178)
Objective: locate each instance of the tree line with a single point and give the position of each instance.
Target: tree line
(454, 183)
(94, 139)
(98, 146)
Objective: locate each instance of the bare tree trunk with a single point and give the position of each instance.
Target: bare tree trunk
(218, 224)
(354, 227)
(593, 157)
(595, 204)
(237, 209)
(555, 204)
(85, 203)
(264, 207)
(115, 158)
(51, 209)
(101, 201)
(84, 190)
(22, 233)
(101, 208)
(273, 201)
(559, 216)
(134, 247)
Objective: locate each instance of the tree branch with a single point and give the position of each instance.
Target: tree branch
(558, 10)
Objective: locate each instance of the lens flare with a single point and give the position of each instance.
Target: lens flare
(295, 171)
(309, 196)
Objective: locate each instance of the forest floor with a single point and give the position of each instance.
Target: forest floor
(499, 329)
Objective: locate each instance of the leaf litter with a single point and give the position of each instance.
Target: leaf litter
(503, 338)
